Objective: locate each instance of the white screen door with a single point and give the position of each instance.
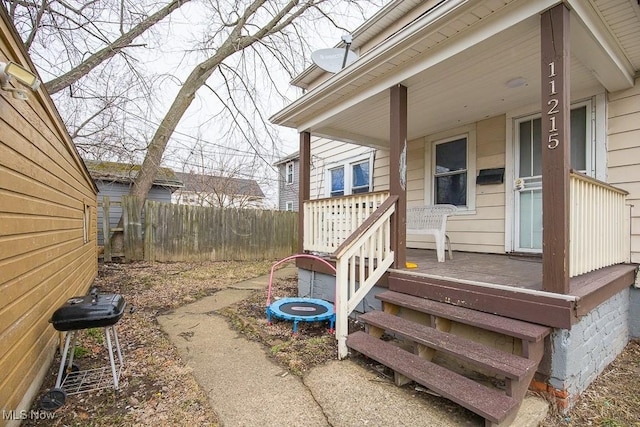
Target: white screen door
(528, 200)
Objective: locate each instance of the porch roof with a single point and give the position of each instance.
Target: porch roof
(456, 62)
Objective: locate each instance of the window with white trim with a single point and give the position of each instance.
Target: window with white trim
(289, 173)
(451, 179)
(450, 173)
(288, 206)
(353, 176)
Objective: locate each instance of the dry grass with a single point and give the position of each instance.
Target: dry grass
(158, 389)
(312, 345)
(612, 400)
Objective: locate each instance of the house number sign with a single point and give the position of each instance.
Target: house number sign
(553, 110)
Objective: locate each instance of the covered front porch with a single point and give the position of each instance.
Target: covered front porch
(359, 233)
(436, 123)
(454, 91)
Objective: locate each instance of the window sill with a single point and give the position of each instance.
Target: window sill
(461, 212)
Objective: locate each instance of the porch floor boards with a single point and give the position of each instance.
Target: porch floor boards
(508, 270)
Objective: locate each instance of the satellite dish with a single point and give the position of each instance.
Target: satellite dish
(333, 60)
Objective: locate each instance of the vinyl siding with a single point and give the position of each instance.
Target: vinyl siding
(481, 230)
(43, 257)
(623, 154)
(288, 192)
(326, 153)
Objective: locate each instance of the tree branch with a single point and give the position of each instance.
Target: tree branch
(72, 76)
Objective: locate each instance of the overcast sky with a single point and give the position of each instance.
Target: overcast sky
(168, 58)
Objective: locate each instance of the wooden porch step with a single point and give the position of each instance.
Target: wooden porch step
(516, 328)
(491, 404)
(507, 364)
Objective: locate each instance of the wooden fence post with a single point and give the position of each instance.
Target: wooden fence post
(106, 232)
(133, 245)
(149, 218)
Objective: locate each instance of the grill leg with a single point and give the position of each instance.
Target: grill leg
(113, 365)
(73, 350)
(64, 357)
(115, 337)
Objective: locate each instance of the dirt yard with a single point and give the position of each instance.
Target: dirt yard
(158, 389)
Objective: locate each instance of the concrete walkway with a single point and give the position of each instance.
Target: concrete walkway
(246, 388)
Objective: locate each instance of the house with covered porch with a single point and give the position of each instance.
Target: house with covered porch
(525, 115)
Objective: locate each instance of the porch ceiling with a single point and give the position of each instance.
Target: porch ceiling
(458, 76)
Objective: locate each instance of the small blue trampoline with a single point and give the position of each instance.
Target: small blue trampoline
(298, 309)
(302, 310)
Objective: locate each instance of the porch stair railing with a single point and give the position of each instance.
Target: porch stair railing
(599, 234)
(361, 260)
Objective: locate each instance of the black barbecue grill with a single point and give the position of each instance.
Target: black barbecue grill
(94, 310)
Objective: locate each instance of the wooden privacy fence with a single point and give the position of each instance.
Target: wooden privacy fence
(169, 232)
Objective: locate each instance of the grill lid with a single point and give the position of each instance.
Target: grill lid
(89, 311)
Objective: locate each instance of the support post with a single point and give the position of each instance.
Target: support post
(556, 148)
(342, 313)
(304, 190)
(398, 172)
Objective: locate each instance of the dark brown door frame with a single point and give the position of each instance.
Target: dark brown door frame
(398, 172)
(556, 150)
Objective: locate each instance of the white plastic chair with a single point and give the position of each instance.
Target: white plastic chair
(432, 220)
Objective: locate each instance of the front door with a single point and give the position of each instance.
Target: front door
(528, 183)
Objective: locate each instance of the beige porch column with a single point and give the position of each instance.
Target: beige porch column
(304, 190)
(556, 150)
(398, 172)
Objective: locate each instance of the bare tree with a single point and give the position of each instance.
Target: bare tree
(75, 27)
(242, 35)
(95, 72)
(239, 66)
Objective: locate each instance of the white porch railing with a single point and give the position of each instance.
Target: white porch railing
(599, 234)
(329, 222)
(361, 261)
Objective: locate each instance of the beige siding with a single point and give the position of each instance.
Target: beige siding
(44, 259)
(623, 162)
(381, 171)
(480, 231)
(483, 229)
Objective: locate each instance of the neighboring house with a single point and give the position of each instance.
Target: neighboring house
(288, 182)
(526, 116)
(114, 180)
(219, 191)
(47, 231)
